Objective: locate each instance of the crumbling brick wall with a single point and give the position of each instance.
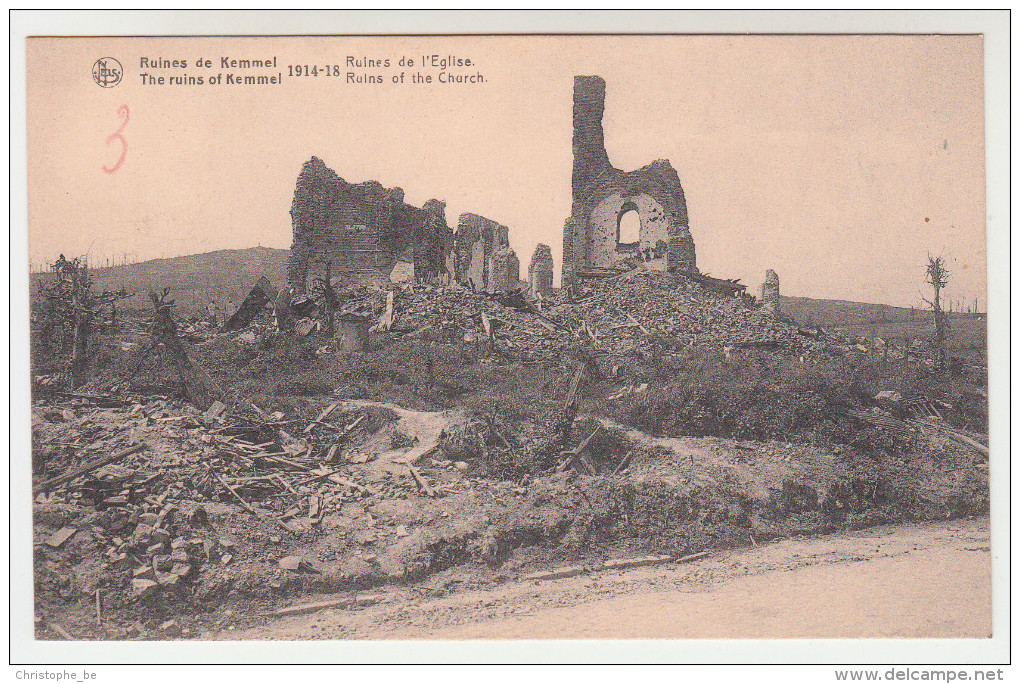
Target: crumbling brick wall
(360, 230)
(540, 271)
(602, 195)
(484, 258)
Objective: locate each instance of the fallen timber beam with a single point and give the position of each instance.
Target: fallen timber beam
(84, 470)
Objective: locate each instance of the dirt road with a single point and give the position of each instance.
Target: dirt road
(929, 580)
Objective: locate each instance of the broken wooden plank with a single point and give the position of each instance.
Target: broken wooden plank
(576, 452)
(421, 481)
(623, 463)
(695, 556)
(963, 439)
(244, 504)
(78, 472)
(346, 602)
(637, 323)
(336, 479)
(349, 428)
(322, 416)
(572, 393)
(639, 562)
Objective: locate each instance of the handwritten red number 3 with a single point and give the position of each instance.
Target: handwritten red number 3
(122, 112)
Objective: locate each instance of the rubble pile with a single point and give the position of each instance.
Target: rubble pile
(640, 308)
(461, 314)
(154, 471)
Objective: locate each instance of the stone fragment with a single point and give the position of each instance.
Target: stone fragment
(293, 563)
(167, 579)
(142, 536)
(346, 602)
(144, 572)
(143, 588)
(58, 538)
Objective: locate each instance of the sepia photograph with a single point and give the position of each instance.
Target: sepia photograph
(499, 336)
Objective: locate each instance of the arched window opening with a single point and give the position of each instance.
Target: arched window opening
(630, 229)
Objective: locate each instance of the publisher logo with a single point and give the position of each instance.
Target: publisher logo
(107, 72)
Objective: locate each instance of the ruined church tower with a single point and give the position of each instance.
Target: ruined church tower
(603, 194)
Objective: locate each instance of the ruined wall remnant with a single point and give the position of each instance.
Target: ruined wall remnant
(433, 243)
(602, 195)
(770, 293)
(484, 259)
(540, 272)
(361, 229)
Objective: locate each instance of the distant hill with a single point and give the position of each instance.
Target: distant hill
(230, 273)
(834, 312)
(193, 280)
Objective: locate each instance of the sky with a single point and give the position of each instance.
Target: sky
(840, 162)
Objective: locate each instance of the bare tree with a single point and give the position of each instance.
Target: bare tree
(73, 309)
(938, 276)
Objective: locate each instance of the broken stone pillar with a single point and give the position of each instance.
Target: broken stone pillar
(540, 272)
(430, 246)
(484, 258)
(513, 271)
(353, 333)
(770, 294)
(499, 276)
(602, 195)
